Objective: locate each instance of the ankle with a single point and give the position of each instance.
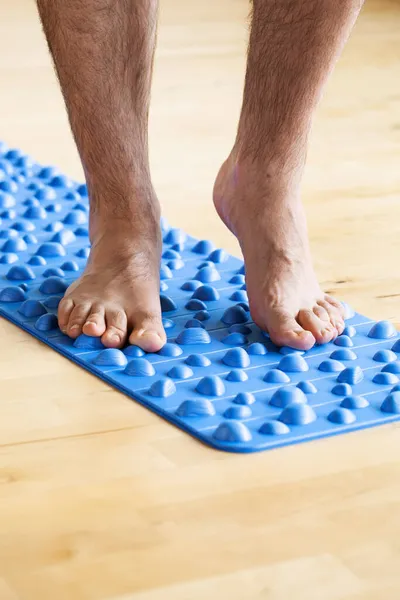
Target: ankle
(274, 166)
(256, 182)
(124, 242)
(135, 214)
(248, 193)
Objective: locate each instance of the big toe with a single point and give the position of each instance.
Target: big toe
(148, 332)
(284, 330)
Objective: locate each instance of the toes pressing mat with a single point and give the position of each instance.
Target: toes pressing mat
(219, 377)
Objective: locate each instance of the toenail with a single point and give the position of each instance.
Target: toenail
(74, 327)
(92, 323)
(303, 333)
(114, 337)
(146, 333)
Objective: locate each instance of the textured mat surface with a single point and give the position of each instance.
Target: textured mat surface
(218, 377)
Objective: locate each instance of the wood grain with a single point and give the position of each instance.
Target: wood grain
(102, 500)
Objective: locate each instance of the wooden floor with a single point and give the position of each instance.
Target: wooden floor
(102, 500)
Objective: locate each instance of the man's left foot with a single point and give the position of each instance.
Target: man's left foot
(267, 217)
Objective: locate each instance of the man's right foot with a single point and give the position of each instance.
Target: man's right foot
(118, 296)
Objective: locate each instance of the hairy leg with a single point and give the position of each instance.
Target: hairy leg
(103, 53)
(293, 47)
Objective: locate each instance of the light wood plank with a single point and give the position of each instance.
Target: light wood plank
(102, 500)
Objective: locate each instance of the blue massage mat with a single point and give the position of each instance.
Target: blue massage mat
(219, 377)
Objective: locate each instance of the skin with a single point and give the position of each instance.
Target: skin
(103, 53)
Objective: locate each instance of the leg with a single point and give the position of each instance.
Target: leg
(103, 53)
(293, 47)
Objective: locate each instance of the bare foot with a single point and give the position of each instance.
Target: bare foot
(268, 219)
(117, 296)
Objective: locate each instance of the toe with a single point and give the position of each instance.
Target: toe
(285, 331)
(336, 304)
(148, 333)
(335, 315)
(64, 310)
(324, 315)
(77, 318)
(117, 326)
(321, 312)
(322, 330)
(95, 324)
(340, 326)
